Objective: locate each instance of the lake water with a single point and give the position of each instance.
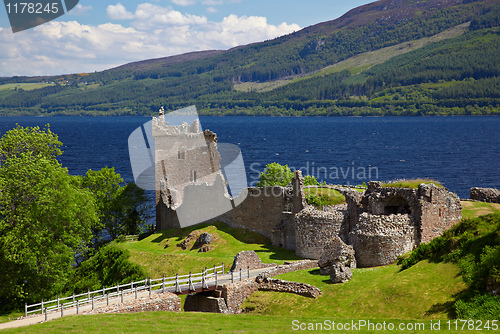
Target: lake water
(461, 152)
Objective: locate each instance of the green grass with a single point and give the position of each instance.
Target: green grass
(476, 209)
(376, 294)
(323, 196)
(410, 183)
(171, 322)
(25, 86)
(159, 253)
(372, 293)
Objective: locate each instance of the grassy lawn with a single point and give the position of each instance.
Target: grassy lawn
(410, 183)
(25, 86)
(372, 293)
(476, 209)
(160, 255)
(376, 294)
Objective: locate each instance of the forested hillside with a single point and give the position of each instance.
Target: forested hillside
(457, 74)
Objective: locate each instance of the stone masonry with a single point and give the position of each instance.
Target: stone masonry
(489, 195)
(380, 223)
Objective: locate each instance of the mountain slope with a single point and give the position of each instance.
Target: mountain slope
(208, 78)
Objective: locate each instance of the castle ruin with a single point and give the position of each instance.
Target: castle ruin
(380, 223)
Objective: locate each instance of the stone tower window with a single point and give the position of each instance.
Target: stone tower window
(181, 155)
(193, 176)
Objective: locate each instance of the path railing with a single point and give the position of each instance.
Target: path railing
(182, 284)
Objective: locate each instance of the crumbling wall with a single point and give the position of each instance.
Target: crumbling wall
(260, 212)
(314, 231)
(236, 293)
(489, 195)
(379, 239)
(440, 210)
(248, 260)
(158, 302)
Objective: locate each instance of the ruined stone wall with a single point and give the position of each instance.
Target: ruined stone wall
(440, 210)
(159, 302)
(489, 195)
(279, 285)
(379, 239)
(290, 267)
(236, 293)
(283, 234)
(248, 260)
(314, 231)
(260, 212)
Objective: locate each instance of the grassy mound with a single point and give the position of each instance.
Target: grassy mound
(159, 254)
(410, 183)
(323, 196)
(474, 245)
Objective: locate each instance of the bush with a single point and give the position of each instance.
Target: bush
(108, 267)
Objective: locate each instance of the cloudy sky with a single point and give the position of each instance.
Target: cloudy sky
(98, 35)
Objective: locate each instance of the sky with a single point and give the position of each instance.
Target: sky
(98, 35)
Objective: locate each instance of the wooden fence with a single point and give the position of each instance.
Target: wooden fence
(182, 284)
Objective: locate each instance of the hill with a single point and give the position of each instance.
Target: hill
(401, 57)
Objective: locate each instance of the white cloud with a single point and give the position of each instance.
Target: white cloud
(184, 2)
(211, 9)
(118, 12)
(80, 10)
(70, 47)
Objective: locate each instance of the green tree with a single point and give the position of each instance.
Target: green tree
(122, 209)
(109, 266)
(310, 180)
(45, 219)
(275, 175)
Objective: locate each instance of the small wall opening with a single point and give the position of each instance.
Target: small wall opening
(396, 204)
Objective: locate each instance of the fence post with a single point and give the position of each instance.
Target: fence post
(122, 296)
(107, 299)
(191, 287)
(131, 285)
(118, 288)
(222, 268)
(62, 310)
(240, 274)
(103, 291)
(25, 309)
(177, 286)
(77, 306)
(215, 270)
(136, 292)
(163, 284)
(248, 272)
(45, 314)
(216, 280)
(149, 286)
(92, 303)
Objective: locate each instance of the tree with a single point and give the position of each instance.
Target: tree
(275, 175)
(109, 266)
(45, 219)
(122, 209)
(19, 140)
(310, 180)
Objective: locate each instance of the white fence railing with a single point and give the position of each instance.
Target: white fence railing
(181, 283)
